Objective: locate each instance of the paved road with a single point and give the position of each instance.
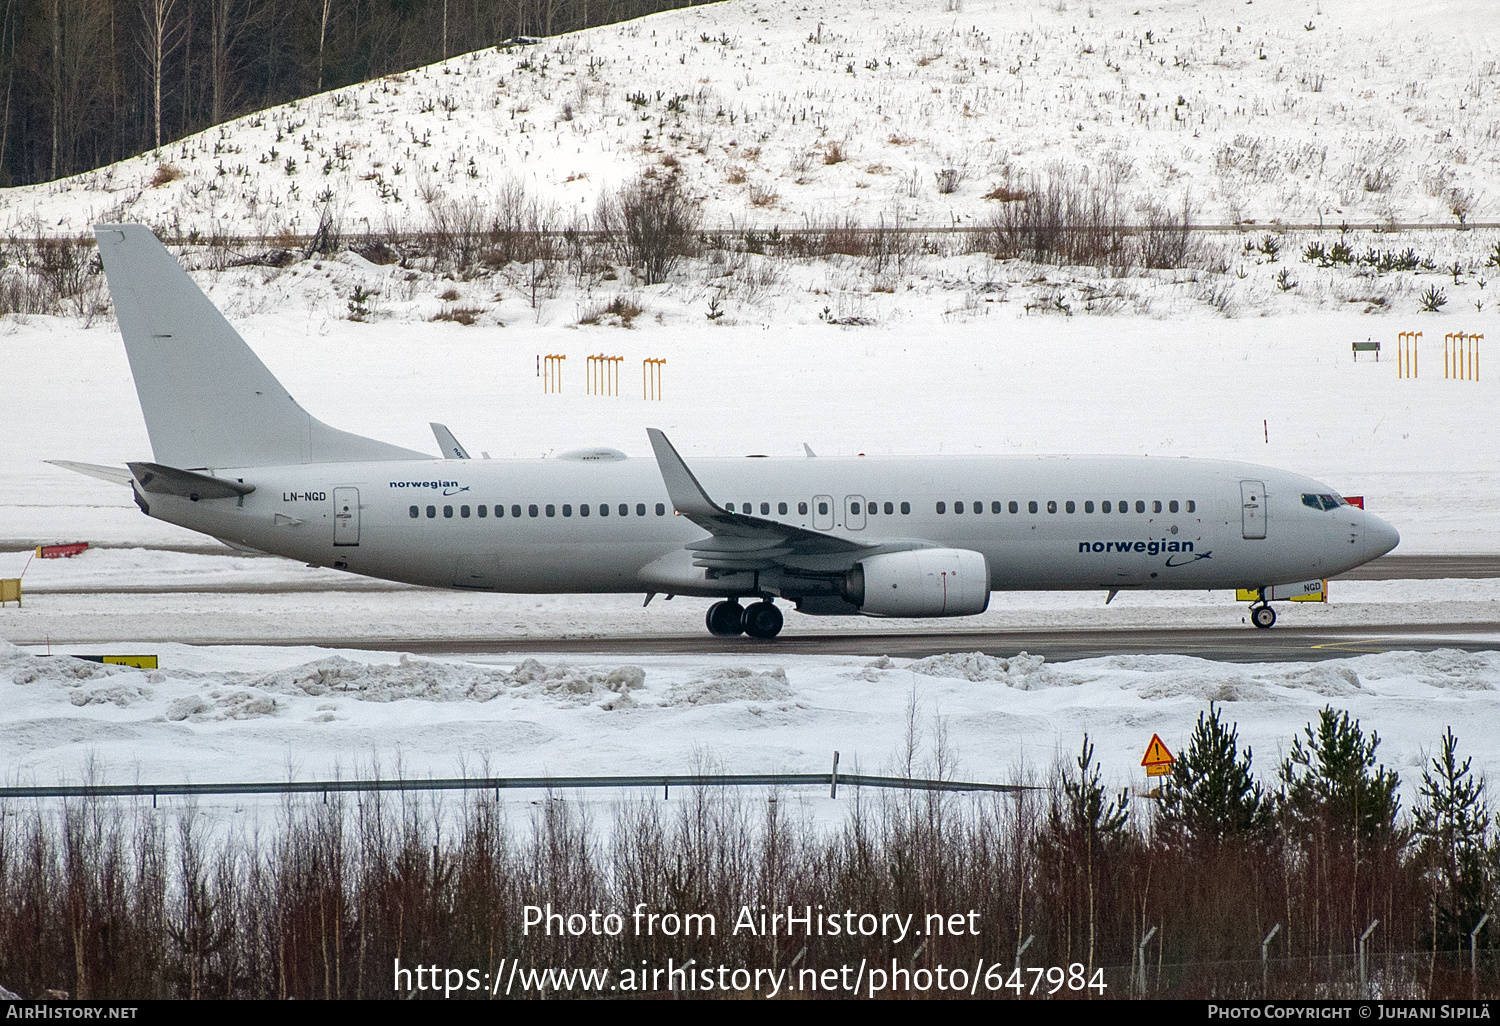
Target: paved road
(1387, 568)
(1228, 644)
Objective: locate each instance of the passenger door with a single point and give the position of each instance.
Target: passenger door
(346, 516)
(1253, 508)
(854, 512)
(822, 509)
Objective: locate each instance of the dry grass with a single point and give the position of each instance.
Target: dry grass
(465, 315)
(125, 901)
(165, 173)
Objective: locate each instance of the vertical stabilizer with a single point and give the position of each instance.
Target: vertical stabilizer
(207, 398)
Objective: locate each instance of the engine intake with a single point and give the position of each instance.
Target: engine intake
(921, 582)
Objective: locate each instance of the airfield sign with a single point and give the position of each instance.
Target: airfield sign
(1157, 760)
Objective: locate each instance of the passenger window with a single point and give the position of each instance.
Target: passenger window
(942, 507)
(995, 507)
(1031, 506)
(583, 509)
(765, 509)
(1172, 506)
(414, 512)
(890, 508)
(1051, 505)
(781, 509)
(515, 511)
(1124, 505)
(463, 511)
(822, 509)
(1088, 507)
(906, 507)
(625, 509)
(729, 506)
(604, 509)
(958, 507)
(854, 508)
(1156, 505)
(1192, 506)
(979, 506)
(551, 510)
(1014, 506)
(661, 509)
(448, 512)
(1140, 506)
(640, 509)
(484, 511)
(746, 507)
(567, 510)
(431, 512)
(1070, 507)
(1107, 506)
(802, 508)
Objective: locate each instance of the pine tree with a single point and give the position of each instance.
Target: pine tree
(1084, 809)
(1452, 827)
(1211, 793)
(1334, 778)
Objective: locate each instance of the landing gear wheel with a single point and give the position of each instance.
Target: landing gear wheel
(725, 619)
(1263, 617)
(762, 620)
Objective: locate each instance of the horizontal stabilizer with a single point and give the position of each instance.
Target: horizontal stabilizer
(161, 480)
(114, 475)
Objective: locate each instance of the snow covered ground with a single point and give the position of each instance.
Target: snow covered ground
(788, 113)
(218, 714)
(1357, 111)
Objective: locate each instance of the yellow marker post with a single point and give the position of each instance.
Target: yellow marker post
(1406, 354)
(552, 365)
(651, 378)
(1157, 760)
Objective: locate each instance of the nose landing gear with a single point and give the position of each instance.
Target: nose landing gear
(728, 619)
(1263, 616)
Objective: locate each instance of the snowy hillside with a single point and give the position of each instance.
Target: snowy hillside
(907, 111)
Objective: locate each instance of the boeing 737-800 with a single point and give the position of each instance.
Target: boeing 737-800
(235, 457)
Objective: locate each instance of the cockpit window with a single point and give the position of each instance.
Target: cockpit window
(1321, 502)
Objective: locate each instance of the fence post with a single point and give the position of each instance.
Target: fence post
(1473, 957)
(833, 780)
(1265, 956)
(1140, 958)
(1021, 948)
(1364, 980)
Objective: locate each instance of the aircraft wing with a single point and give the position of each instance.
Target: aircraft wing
(740, 541)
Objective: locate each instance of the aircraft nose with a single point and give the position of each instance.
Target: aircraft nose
(1380, 537)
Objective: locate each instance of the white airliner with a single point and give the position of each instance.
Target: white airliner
(235, 457)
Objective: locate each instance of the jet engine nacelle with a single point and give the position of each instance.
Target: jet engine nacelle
(920, 582)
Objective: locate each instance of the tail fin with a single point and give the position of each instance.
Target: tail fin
(207, 399)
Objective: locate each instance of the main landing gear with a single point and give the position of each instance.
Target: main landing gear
(1262, 615)
(729, 619)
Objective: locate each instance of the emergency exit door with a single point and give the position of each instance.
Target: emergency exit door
(1253, 508)
(346, 516)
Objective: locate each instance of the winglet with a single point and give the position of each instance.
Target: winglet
(808, 449)
(452, 449)
(687, 495)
